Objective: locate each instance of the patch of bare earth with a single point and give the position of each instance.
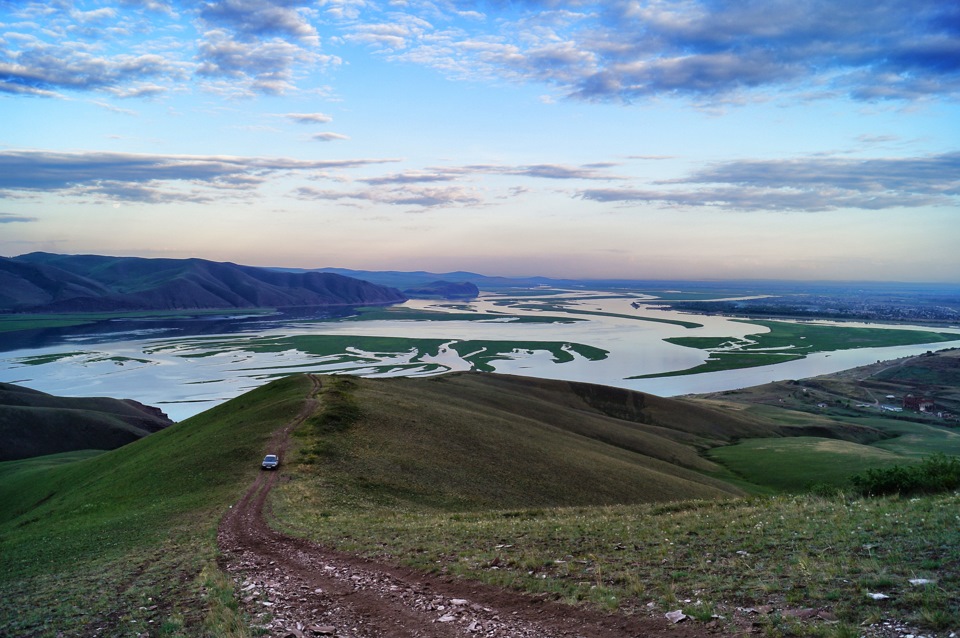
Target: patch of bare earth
(292, 587)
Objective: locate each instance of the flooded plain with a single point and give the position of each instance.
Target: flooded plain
(186, 366)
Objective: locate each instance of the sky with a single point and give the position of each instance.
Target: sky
(660, 139)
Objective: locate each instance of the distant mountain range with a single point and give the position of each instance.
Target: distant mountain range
(45, 282)
(413, 280)
(34, 423)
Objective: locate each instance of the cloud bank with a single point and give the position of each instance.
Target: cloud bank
(809, 185)
(616, 50)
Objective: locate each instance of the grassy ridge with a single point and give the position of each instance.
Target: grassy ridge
(469, 441)
(119, 540)
(480, 476)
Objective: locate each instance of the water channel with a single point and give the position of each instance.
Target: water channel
(186, 366)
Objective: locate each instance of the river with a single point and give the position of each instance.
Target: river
(188, 366)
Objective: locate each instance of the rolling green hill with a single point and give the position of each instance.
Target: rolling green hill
(585, 484)
(34, 423)
(96, 542)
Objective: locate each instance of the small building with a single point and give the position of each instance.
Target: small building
(918, 404)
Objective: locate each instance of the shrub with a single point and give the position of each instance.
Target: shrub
(937, 473)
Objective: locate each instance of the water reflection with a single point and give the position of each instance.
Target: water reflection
(122, 329)
(187, 365)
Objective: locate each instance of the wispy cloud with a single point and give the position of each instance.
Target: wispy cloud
(43, 69)
(811, 185)
(706, 50)
(410, 177)
(254, 18)
(149, 178)
(406, 195)
(309, 118)
(329, 137)
(10, 218)
(543, 171)
(620, 50)
(263, 66)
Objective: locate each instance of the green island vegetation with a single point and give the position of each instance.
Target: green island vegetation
(584, 494)
(787, 341)
(17, 322)
(43, 359)
(559, 306)
(366, 350)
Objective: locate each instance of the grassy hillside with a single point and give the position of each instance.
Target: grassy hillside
(577, 491)
(546, 487)
(469, 441)
(820, 408)
(119, 540)
(34, 423)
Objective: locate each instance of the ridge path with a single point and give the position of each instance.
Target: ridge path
(294, 588)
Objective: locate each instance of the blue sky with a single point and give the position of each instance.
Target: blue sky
(692, 139)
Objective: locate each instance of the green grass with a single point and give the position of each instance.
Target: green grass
(474, 441)
(727, 361)
(121, 538)
(911, 439)
(480, 353)
(791, 552)
(794, 464)
(397, 485)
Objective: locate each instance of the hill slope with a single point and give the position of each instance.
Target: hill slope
(384, 466)
(44, 282)
(33, 423)
(93, 546)
(471, 440)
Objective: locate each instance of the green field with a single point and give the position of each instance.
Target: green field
(794, 464)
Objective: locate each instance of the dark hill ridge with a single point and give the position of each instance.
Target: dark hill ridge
(34, 423)
(45, 282)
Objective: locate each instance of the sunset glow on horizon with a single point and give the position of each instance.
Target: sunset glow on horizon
(565, 138)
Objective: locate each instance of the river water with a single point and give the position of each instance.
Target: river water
(171, 364)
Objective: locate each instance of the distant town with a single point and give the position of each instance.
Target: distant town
(930, 305)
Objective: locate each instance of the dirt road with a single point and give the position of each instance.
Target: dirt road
(292, 587)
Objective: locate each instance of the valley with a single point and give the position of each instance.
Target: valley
(188, 363)
(512, 451)
(570, 500)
